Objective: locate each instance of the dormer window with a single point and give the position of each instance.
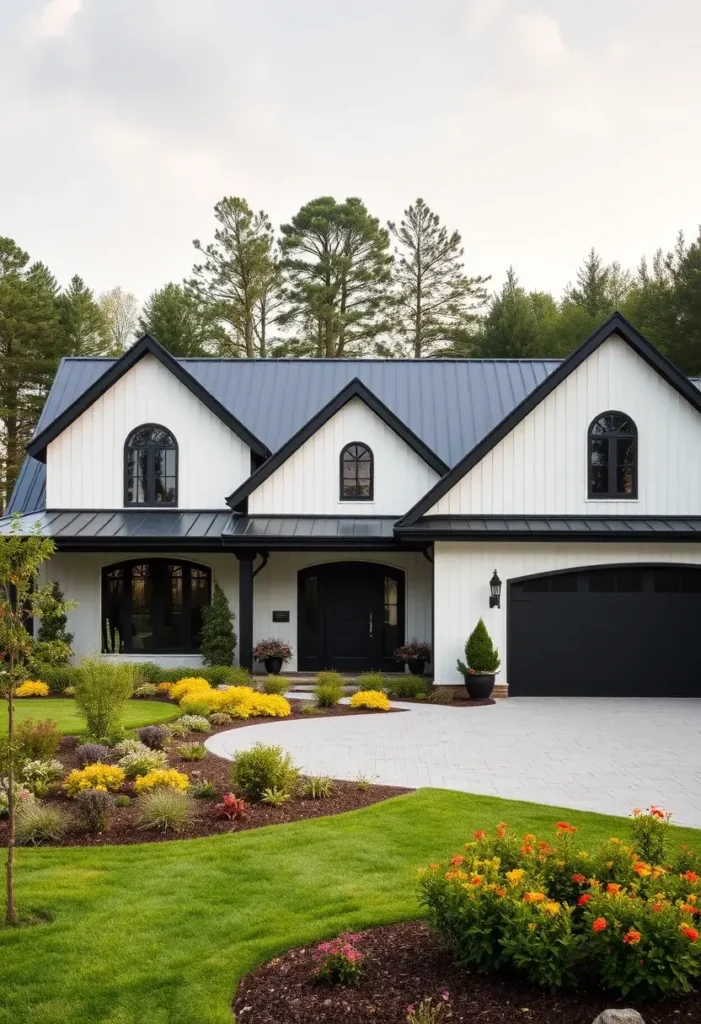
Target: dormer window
(151, 467)
(613, 457)
(357, 478)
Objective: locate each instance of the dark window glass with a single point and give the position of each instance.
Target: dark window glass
(390, 640)
(151, 467)
(602, 582)
(691, 581)
(153, 605)
(667, 581)
(537, 586)
(565, 583)
(356, 473)
(629, 581)
(613, 445)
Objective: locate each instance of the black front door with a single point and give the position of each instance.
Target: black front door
(351, 617)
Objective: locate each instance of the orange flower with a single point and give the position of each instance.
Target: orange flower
(658, 905)
(434, 867)
(690, 933)
(613, 888)
(551, 907)
(584, 899)
(599, 925)
(691, 876)
(657, 812)
(457, 860)
(686, 908)
(642, 869)
(515, 876)
(637, 812)
(529, 838)
(526, 848)
(501, 829)
(479, 834)
(476, 880)
(579, 879)
(534, 897)
(563, 826)
(632, 938)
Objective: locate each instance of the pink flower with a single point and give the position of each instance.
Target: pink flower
(445, 995)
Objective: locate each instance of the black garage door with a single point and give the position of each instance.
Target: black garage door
(627, 631)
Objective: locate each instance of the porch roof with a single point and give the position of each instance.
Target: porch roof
(663, 528)
(315, 531)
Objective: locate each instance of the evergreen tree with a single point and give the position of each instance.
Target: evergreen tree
(592, 290)
(176, 318)
(337, 263)
(511, 328)
(52, 628)
(238, 281)
(217, 637)
(434, 298)
(30, 350)
(83, 323)
(480, 652)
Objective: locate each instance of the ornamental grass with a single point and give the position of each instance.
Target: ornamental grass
(554, 912)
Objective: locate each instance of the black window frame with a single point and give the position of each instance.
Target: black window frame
(159, 575)
(612, 437)
(151, 448)
(346, 450)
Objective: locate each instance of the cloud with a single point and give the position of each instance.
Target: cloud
(55, 18)
(537, 39)
(480, 15)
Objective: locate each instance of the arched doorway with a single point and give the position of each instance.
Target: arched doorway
(350, 617)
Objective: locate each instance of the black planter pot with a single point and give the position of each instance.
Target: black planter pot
(273, 666)
(479, 686)
(416, 666)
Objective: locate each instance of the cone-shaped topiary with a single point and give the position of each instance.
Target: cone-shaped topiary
(217, 637)
(52, 627)
(482, 656)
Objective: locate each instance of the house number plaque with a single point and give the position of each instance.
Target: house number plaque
(281, 616)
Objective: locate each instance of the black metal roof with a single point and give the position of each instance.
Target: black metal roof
(271, 531)
(448, 404)
(553, 528)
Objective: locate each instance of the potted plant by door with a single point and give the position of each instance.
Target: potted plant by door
(482, 663)
(272, 653)
(415, 654)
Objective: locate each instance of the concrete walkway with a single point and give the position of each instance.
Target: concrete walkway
(595, 755)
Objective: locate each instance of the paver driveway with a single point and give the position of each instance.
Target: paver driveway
(596, 755)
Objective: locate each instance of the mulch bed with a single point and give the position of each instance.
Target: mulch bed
(406, 963)
(124, 826)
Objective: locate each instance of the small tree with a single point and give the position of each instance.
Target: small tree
(52, 628)
(482, 656)
(217, 638)
(101, 693)
(21, 599)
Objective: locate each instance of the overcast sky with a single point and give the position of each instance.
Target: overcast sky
(538, 128)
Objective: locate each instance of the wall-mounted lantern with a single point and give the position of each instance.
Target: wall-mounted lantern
(495, 591)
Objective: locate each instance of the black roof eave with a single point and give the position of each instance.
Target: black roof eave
(145, 346)
(617, 324)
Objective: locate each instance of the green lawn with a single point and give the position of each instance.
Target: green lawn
(160, 934)
(64, 713)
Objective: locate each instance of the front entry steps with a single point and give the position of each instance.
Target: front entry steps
(303, 682)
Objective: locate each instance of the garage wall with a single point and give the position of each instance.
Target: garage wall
(80, 578)
(463, 571)
(540, 468)
(275, 589)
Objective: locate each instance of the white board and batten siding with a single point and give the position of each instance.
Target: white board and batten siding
(85, 464)
(463, 571)
(308, 482)
(540, 467)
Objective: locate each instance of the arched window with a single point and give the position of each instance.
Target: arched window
(153, 606)
(613, 456)
(357, 476)
(151, 467)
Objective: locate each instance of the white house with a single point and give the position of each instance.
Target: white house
(348, 505)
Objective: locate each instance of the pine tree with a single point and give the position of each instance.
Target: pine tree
(83, 323)
(177, 319)
(337, 263)
(482, 656)
(217, 638)
(511, 328)
(52, 628)
(433, 297)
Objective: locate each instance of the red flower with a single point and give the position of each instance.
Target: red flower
(656, 812)
(457, 860)
(600, 925)
(691, 876)
(613, 888)
(501, 829)
(690, 933)
(584, 899)
(632, 938)
(479, 835)
(579, 879)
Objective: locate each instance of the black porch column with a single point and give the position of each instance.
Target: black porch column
(246, 609)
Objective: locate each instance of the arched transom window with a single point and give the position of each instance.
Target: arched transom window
(151, 467)
(613, 456)
(357, 482)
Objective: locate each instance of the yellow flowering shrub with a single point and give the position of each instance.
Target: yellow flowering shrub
(167, 778)
(370, 699)
(186, 687)
(32, 689)
(164, 688)
(104, 777)
(244, 702)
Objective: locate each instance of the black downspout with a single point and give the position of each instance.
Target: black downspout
(246, 609)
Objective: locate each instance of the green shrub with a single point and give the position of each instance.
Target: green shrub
(317, 787)
(101, 695)
(372, 681)
(146, 690)
(194, 704)
(57, 677)
(164, 809)
(53, 639)
(330, 677)
(217, 637)
(192, 723)
(36, 742)
(276, 797)
(146, 673)
(122, 800)
(41, 776)
(128, 746)
(38, 823)
(275, 684)
(192, 751)
(411, 687)
(142, 762)
(482, 656)
(93, 807)
(261, 768)
(201, 789)
(327, 695)
(227, 675)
